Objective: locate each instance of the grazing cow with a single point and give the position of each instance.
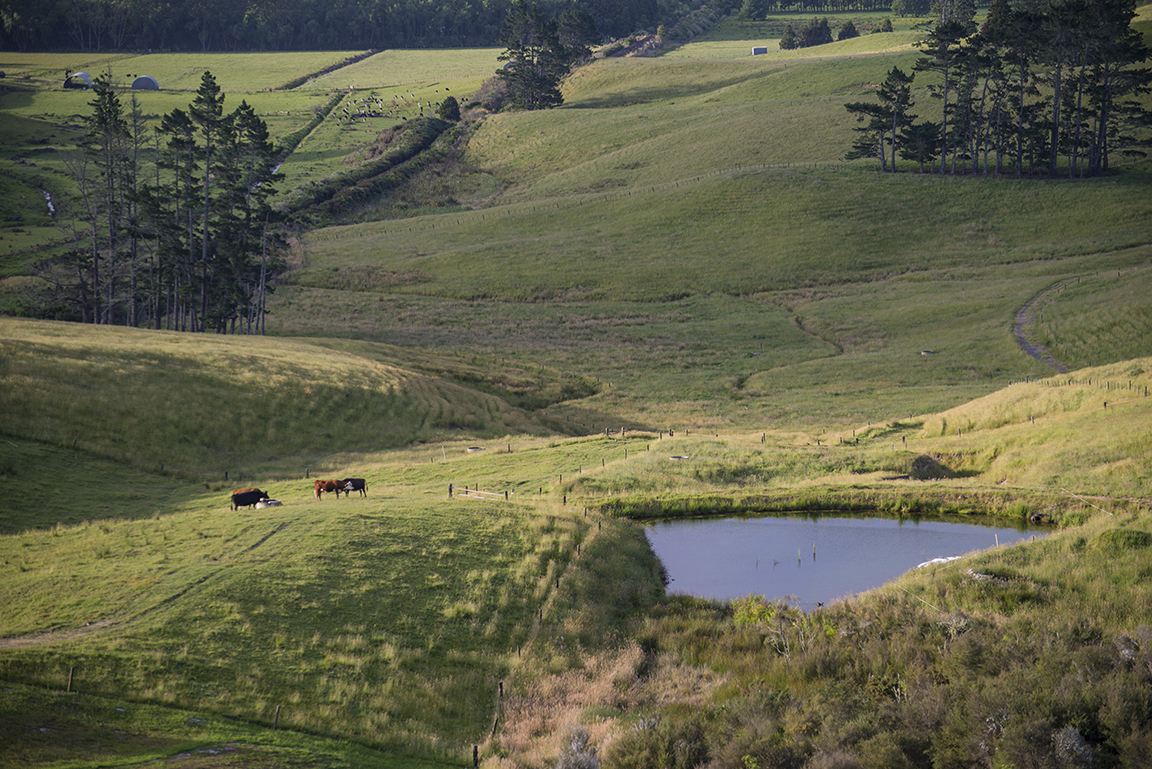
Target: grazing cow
(266, 503)
(330, 485)
(247, 498)
(355, 484)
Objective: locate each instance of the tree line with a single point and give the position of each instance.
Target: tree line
(758, 10)
(819, 32)
(221, 25)
(1041, 87)
(173, 225)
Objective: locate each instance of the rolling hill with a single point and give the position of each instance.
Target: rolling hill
(675, 263)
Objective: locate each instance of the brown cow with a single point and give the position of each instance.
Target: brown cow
(329, 485)
(242, 491)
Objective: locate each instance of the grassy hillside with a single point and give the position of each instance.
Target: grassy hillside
(389, 620)
(201, 407)
(678, 247)
(685, 230)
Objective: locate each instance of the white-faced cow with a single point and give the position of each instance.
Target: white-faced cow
(355, 484)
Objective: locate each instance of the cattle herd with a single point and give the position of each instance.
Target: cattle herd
(259, 499)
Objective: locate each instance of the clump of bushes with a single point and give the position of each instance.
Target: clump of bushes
(928, 468)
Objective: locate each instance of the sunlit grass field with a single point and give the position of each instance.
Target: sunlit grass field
(461, 70)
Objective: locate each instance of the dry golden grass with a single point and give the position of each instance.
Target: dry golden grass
(602, 695)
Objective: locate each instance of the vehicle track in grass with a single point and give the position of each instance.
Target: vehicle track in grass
(57, 635)
(1025, 327)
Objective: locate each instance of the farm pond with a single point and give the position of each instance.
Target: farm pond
(812, 559)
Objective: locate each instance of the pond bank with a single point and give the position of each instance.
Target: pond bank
(1012, 504)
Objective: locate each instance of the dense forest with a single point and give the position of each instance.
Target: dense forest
(218, 25)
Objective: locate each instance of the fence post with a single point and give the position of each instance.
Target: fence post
(449, 489)
(71, 670)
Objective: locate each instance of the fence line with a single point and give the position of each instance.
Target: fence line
(458, 491)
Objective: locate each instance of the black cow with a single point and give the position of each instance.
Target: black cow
(355, 484)
(247, 498)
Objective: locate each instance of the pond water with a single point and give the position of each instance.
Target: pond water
(810, 560)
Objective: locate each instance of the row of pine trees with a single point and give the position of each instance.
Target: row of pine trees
(1041, 87)
(172, 224)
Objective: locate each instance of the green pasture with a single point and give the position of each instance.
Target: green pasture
(733, 28)
(678, 248)
(387, 620)
(47, 70)
(866, 44)
(1097, 318)
(68, 109)
(764, 229)
(344, 140)
(816, 358)
(733, 38)
(461, 70)
(234, 72)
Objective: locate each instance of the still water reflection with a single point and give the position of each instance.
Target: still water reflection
(809, 559)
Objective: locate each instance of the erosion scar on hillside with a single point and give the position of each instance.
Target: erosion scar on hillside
(1025, 329)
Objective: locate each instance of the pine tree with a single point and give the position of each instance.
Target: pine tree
(788, 39)
(536, 61)
(206, 112)
(101, 182)
(943, 46)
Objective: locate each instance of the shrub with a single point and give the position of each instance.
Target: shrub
(449, 110)
(577, 753)
(1120, 540)
(660, 745)
(927, 468)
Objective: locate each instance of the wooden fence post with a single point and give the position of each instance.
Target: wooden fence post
(71, 671)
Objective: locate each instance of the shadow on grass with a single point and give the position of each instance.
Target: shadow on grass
(34, 496)
(663, 93)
